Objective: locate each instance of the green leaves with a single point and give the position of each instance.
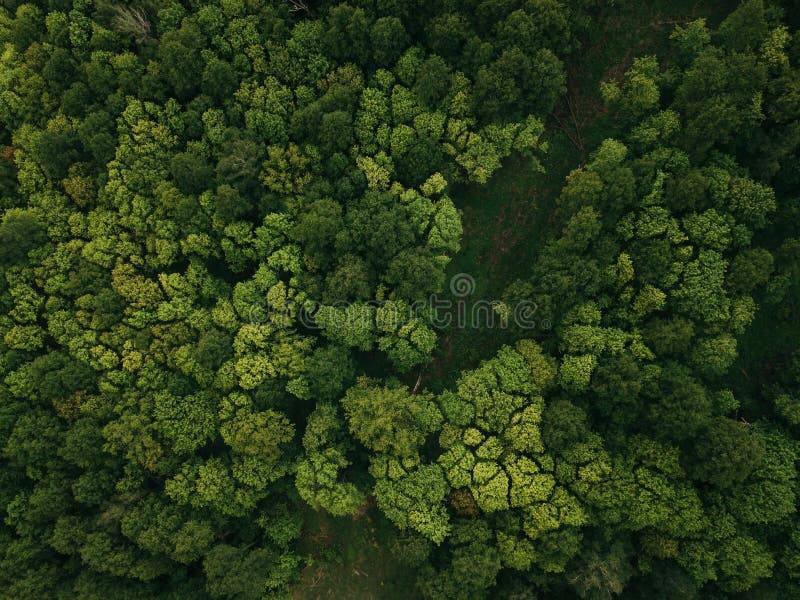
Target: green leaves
(318, 483)
(751, 202)
(319, 470)
(575, 372)
(390, 420)
(414, 500)
(219, 216)
(247, 573)
(257, 433)
(726, 453)
(639, 90)
(188, 422)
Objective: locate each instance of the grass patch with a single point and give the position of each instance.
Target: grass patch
(351, 558)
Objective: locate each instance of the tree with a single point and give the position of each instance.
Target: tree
(246, 573)
(389, 420)
(389, 39)
(20, 232)
(638, 92)
(576, 371)
(745, 28)
(219, 79)
(330, 371)
(714, 355)
(751, 201)
(691, 39)
(347, 36)
(191, 172)
(350, 280)
(725, 453)
(415, 500)
(316, 230)
(132, 21)
(318, 472)
(414, 273)
(432, 81)
(749, 269)
(179, 53)
(407, 340)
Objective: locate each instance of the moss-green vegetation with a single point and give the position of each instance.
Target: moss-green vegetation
(220, 219)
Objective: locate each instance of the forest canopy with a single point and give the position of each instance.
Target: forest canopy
(220, 217)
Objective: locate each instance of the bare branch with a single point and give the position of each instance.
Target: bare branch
(298, 6)
(132, 21)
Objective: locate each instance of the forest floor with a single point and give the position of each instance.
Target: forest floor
(351, 559)
(505, 223)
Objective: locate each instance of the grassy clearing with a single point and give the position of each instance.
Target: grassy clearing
(505, 224)
(351, 558)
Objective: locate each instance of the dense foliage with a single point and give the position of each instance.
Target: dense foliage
(217, 214)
